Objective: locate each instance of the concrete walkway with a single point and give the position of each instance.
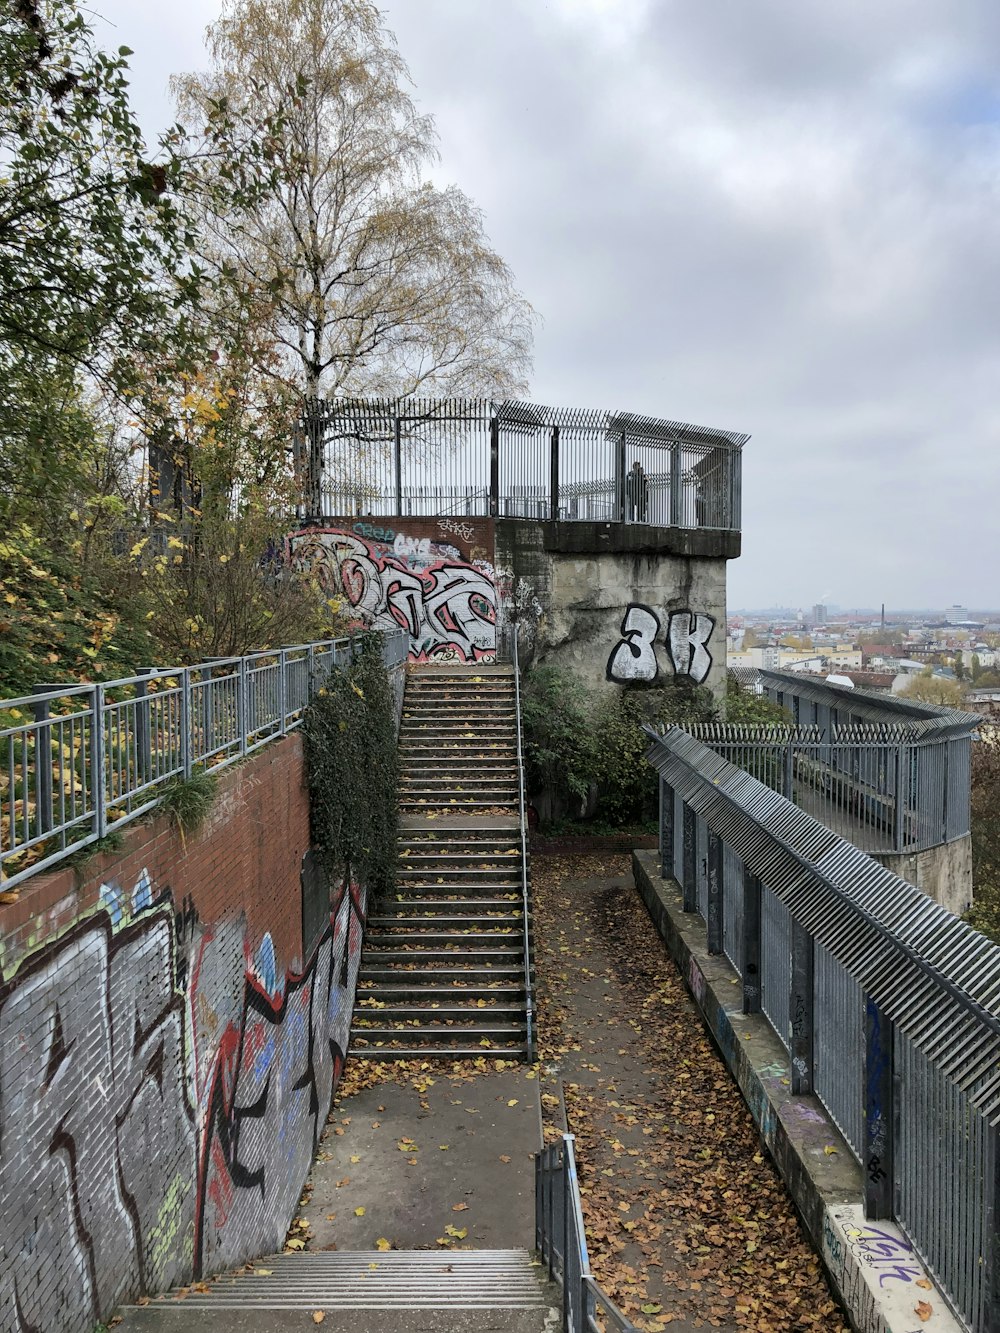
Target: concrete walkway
(449, 1145)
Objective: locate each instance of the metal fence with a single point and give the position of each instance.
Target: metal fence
(885, 787)
(887, 1003)
(468, 456)
(561, 1241)
(77, 762)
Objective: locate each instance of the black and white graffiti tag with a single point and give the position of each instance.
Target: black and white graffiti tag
(633, 658)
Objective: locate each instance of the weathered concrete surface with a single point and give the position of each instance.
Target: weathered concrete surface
(944, 872)
(799, 1134)
(173, 1318)
(462, 1130)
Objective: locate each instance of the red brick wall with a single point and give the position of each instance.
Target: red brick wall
(163, 1042)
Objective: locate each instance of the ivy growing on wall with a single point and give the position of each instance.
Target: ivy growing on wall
(350, 740)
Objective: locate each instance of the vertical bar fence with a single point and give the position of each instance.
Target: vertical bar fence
(78, 761)
(887, 1004)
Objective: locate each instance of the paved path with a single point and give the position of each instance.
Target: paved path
(433, 1150)
(688, 1223)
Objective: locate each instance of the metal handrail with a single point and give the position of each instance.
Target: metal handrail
(90, 758)
(561, 1241)
(522, 819)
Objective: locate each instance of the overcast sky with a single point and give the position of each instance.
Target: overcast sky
(778, 217)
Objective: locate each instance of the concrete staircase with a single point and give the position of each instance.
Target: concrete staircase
(363, 1292)
(443, 967)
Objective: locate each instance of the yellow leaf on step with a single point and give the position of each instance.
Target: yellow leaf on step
(383, 1244)
(318, 1316)
(359, 1212)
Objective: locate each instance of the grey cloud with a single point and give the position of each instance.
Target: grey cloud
(778, 217)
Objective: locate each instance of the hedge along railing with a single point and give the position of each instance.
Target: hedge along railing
(887, 1003)
(90, 758)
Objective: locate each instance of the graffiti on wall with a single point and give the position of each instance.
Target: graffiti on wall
(633, 658)
(440, 587)
(97, 1132)
(162, 1088)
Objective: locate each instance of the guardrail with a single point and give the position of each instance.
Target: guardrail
(471, 456)
(875, 784)
(85, 760)
(561, 1241)
(523, 822)
(887, 1004)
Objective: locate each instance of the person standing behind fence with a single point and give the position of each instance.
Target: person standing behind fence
(636, 494)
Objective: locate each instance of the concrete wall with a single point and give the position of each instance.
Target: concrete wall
(629, 604)
(173, 1021)
(944, 872)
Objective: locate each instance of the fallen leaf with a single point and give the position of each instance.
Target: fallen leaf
(922, 1282)
(504, 1157)
(318, 1316)
(263, 1272)
(383, 1244)
(829, 1149)
(355, 1161)
(923, 1310)
(459, 1207)
(359, 1212)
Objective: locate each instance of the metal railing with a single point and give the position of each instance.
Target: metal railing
(887, 1004)
(529, 1016)
(880, 786)
(79, 761)
(400, 457)
(561, 1240)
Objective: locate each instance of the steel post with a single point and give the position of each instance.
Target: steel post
(97, 759)
(397, 455)
(716, 889)
(494, 468)
(666, 830)
(751, 942)
(877, 1162)
(800, 1009)
(143, 739)
(43, 762)
(554, 475)
(690, 852)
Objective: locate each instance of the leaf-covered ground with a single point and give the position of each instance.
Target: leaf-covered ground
(688, 1223)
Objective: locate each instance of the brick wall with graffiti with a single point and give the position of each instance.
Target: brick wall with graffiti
(435, 577)
(173, 1021)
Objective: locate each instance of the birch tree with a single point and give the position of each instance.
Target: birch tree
(378, 281)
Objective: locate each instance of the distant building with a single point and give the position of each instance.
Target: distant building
(819, 615)
(957, 615)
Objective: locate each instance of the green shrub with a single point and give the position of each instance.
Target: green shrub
(627, 786)
(350, 739)
(559, 753)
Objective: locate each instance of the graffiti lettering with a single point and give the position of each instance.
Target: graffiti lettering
(634, 658)
(687, 642)
(412, 549)
(163, 1133)
(448, 607)
(374, 534)
(94, 1111)
(454, 529)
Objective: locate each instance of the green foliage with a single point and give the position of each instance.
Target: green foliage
(350, 737)
(559, 743)
(985, 815)
(187, 801)
(627, 786)
(930, 689)
(58, 624)
(745, 707)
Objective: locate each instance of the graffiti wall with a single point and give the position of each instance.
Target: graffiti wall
(166, 1063)
(434, 577)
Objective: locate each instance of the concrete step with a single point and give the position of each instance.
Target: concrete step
(406, 921)
(405, 1290)
(467, 996)
(388, 1015)
(438, 1034)
(417, 971)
